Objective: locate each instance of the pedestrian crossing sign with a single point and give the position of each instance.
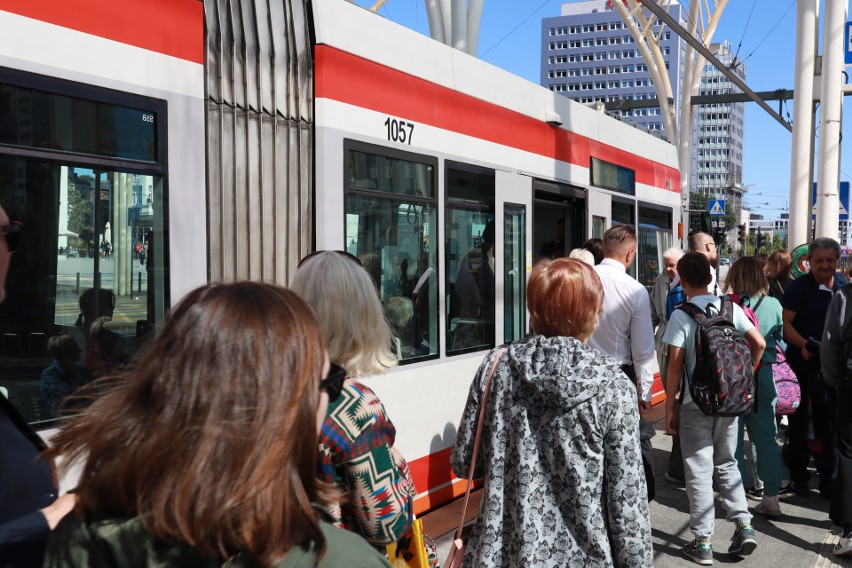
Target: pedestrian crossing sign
(716, 207)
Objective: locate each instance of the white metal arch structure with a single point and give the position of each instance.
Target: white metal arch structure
(455, 23)
(678, 129)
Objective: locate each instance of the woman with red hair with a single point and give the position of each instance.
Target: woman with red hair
(560, 442)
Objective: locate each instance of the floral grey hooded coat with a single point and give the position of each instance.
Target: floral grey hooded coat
(564, 484)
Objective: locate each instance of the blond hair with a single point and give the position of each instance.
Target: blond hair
(344, 297)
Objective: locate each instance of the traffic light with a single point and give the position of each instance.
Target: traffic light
(761, 240)
(741, 229)
(718, 236)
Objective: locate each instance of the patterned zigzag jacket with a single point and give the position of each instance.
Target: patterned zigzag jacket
(564, 484)
(356, 452)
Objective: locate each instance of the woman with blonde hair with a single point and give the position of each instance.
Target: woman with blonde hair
(559, 450)
(748, 283)
(356, 441)
(203, 455)
(779, 272)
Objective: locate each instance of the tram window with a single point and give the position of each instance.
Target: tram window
(655, 237)
(389, 175)
(470, 281)
(394, 234)
(623, 213)
(77, 273)
(514, 275)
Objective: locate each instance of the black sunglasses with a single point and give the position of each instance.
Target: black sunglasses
(333, 382)
(350, 256)
(13, 235)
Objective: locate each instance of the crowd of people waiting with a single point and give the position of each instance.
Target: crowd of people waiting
(244, 435)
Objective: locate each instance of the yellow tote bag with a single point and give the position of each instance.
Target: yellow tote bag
(410, 551)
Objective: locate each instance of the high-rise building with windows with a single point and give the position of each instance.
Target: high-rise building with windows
(719, 167)
(588, 55)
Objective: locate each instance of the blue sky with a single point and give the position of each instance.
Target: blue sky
(764, 30)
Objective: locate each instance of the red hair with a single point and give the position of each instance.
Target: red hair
(564, 297)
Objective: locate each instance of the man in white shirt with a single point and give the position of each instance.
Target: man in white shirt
(624, 330)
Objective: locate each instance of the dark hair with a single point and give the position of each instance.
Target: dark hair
(595, 246)
(63, 347)
(564, 297)
(694, 269)
(95, 303)
(616, 237)
(211, 440)
(824, 243)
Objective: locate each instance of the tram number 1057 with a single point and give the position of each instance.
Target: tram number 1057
(399, 130)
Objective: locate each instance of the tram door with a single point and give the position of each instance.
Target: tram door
(558, 219)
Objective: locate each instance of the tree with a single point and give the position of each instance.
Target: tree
(79, 212)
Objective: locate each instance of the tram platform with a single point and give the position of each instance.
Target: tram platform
(802, 538)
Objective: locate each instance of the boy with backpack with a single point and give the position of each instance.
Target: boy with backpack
(713, 349)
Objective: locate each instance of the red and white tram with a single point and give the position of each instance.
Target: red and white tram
(177, 128)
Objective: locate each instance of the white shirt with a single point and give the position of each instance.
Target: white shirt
(624, 330)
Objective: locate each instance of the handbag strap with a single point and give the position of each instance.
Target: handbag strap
(482, 407)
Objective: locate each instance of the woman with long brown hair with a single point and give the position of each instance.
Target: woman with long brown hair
(750, 287)
(205, 453)
(779, 272)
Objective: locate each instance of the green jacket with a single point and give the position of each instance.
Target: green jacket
(126, 544)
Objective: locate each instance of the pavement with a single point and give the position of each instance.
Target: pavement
(801, 537)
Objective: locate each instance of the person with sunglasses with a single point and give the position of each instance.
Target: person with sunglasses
(202, 455)
(29, 508)
(356, 441)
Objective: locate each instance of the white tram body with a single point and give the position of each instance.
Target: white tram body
(417, 149)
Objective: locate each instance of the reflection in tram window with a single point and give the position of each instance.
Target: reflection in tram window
(77, 264)
(514, 272)
(655, 237)
(624, 213)
(470, 248)
(394, 235)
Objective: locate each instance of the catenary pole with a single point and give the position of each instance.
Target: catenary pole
(801, 162)
(831, 108)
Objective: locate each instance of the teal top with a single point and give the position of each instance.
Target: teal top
(124, 543)
(769, 319)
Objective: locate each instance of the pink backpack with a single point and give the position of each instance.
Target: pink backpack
(786, 384)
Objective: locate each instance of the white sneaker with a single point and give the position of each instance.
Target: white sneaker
(769, 506)
(843, 547)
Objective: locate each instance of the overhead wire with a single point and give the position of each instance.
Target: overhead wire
(534, 12)
(784, 15)
(734, 62)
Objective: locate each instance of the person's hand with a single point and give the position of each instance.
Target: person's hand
(671, 418)
(644, 407)
(58, 509)
(806, 355)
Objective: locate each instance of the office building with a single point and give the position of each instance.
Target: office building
(588, 55)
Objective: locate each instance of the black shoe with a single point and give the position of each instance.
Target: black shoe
(754, 494)
(801, 488)
(786, 491)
